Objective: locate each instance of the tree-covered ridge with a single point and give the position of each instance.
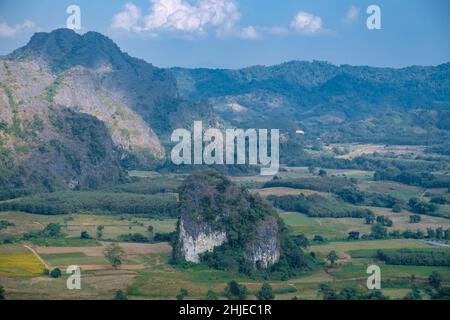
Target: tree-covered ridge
(211, 198)
(335, 103)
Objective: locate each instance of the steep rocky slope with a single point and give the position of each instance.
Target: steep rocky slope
(132, 106)
(224, 226)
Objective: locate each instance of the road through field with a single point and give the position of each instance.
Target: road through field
(39, 257)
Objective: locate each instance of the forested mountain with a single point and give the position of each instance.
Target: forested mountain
(75, 111)
(336, 103)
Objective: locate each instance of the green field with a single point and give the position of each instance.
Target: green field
(331, 229)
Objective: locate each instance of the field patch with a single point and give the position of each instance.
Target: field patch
(394, 189)
(358, 271)
(330, 228)
(284, 191)
(16, 261)
(75, 258)
(347, 246)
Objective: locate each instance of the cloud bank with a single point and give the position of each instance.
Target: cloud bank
(7, 31)
(180, 16)
(307, 23)
(199, 18)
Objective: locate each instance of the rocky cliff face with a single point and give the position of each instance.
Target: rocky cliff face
(215, 215)
(264, 249)
(197, 238)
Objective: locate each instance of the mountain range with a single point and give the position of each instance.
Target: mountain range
(76, 111)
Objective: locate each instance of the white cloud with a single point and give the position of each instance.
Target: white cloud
(250, 33)
(307, 23)
(180, 16)
(7, 31)
(129, 19)
(352, 14)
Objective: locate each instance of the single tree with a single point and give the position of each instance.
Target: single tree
(55, 273)
(235, 291)
(120, 295)
(332, 257)
(322, 173)
(100, 229)
(266, 292)
(435, 279)
(370, 218)
(414, 294)
(397, 208)
(85, 235)
(2, 293)
(211, 295)
(182, 294)
(114, 253)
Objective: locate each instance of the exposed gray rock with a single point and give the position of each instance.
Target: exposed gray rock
(197, 238)
(264, 250)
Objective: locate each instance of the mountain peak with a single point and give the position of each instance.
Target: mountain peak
(64, 48)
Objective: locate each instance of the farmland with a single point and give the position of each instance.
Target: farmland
(147, 271)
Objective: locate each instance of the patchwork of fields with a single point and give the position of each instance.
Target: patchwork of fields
(147, 272)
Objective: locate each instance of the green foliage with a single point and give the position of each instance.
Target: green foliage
(384, 221)
(147, 186)
(435, 280)
(414, 177)
(445, 199)
(265, 293)
(52, 230)
(55, 273)
(357, 197)
(120, 295)
(416, 257)
(323, 184)
(235, 291)
(332, 257)
(328, 293)
(114, 254)
(415, 218)
(182, 294)
(135, 237)
(211, 295)
(161, 205)
(378, 232)
(318, 206)
(85, 235)
(418, 206)
(2, 293)
(5, 224)
(353, 235)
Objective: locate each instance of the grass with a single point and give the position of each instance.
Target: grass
(371, 253)
(65, 242)
(401, 220)
(18, 262)
(74, 258)
(395, 189)
(347, 246)
(331, 229)
(358, 271)
(74, 224)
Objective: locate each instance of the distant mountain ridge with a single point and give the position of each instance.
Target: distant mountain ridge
(61, 81)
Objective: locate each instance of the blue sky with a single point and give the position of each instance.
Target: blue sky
(239, 33)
